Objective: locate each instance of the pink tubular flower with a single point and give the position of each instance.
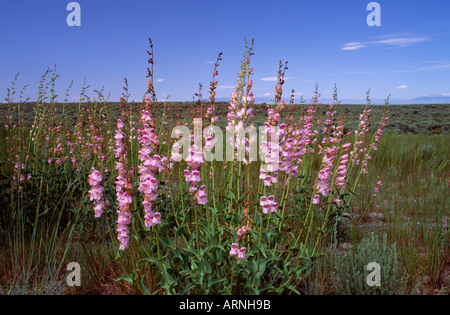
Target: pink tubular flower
(201, 199)
(262, 174)
(241, 253)
(269, 180)
(234, 249)
(242, 231)
(316, 199)
(268, 204)
(148, 184)
(96, 192)
(155, 220)
(377, 188)
(95, 177)
(341, 171)
(324, 174)
(123, 190)
(195, 160)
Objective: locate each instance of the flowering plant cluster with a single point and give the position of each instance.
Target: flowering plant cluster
(249, 224)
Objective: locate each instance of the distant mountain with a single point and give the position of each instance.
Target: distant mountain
(432, 100)
(360, 101)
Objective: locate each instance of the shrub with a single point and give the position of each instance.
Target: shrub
(350, 276)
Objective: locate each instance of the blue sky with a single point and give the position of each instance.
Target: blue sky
(326, 42)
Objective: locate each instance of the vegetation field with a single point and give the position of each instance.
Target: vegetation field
(102, 184)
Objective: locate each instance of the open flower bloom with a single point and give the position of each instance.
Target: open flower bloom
(155, 163)
(96, 192)
(95, 177)
(316, 199)
(234, 249)
(156, 219)
(262, 174)
(187, 175)
(195, 176)
(192, 188)
(268, 204)
(241, 252)
(242, 231)
(202, 195)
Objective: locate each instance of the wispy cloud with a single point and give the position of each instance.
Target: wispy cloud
(159, 80)
(353, 46)
(402, 86)
(401, 41)
(223, 87)
(392, 41)
(270, 79)
(436, 66)
(274, 79)
(267, 94)
(431, 66)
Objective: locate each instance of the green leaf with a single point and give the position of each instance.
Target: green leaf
(207, 266)
(242, 198)
(262, 266)
(263, 249)
(193, 265)
(147, 259)
(219, 256)
(143, 288)
(290, 287)
(212, 282)
(167, 279)
(128, 278)
(183, 292)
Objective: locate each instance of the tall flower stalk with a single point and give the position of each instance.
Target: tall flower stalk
(151, 163)
(124, 187)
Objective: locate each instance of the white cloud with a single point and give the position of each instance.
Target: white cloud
(402, 86)
(159, 80)
(270, 79)
(225, 87)
(353, 46)
(267, 94)
(401, 41)
(393, 40)
(274, 79)
(437, 66)
(432, 67)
